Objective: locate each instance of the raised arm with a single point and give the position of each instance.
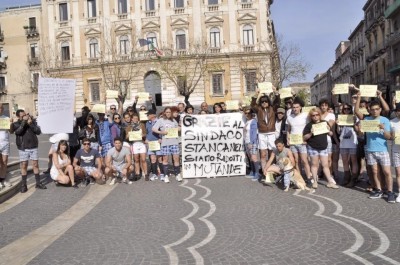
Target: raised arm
(357, 107)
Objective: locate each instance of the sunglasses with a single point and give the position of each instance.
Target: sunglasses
(142, 109)
(315, 115)
(130, 110)
(86, 143)
(117, 118)
(346, 108)
(375, 109)
(113, 108)
(264, 102)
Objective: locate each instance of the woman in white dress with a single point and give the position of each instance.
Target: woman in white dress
(62, 171)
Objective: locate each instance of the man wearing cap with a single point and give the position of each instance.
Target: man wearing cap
(155, 155)
(395, 132)
(280, 125)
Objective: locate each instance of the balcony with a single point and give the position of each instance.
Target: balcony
(150, 13)
(3, 90)
(247, 5)
(248, 48)
(180, 52)
(122, 16)
(31, 32)
(91, 20)
(391, 10)
(215, 50)
(179, 10)
(64, 23)
(1, 36)
(394, 38)
(213, 7)
(33, 61)
(93, 60)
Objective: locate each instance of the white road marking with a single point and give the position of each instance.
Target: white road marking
(23, 250)
(173, 257)
(385, 242)
(16, 199)
(359, 238)
(199, 259)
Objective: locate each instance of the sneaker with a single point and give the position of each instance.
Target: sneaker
(179, 177)
(75, 186)
(309, 183)
(391, 197)
(162, 177)
(124, 180)
(112, 182)
(250, 175)
(130, 182)
(377, 194)
(332, 186)
(2, 185)
(315, 185)
(153, 177)
(24, 188)
(286, 188)
(92, 181)
(256, 177)
(40, 186)
(6, 183)
(398, 198)
(166, 179)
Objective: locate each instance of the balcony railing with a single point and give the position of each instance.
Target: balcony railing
(91, 20)
(179, 10)
(63, 24)
(394, 37)
(215, 50)
(1, 36)
(213, 7)
(122, 16)
(150, 13)
(180, 52)
(248, 48)
(247, 5)
(33, 61)
(93, 60)
(31, 32)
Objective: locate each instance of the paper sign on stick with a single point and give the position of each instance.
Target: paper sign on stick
(172, 133)
(232, 104)
(307, 109)
(320, 128)
(346, 120)
(99, 108)
(368, 90)
(370, 125)
(296, 139)
(364, 111)
(111, 94)
(143, 116)
(269, 178)
(143, 97)
(397, 96)
(5, 124)
(135, 136)
(246, 101)
(265, 88)
(341, 89)
(285, 92)
(154, 146)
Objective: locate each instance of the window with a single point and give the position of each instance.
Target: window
(91, 6)
(248, 35)
(124, 88)
(2, 84)
(34, 50)
(214, 37)
(124, 45)
(63, 11)
(94, 92)
(217, 88)
(179, 4)
(182, 83)
(152, 37)
(93, 48)
(213, 2)
(65, 51)
(150, 5)
(122, 7)
(180, 40)
(251, 81)
(32, 22)
(35, 80)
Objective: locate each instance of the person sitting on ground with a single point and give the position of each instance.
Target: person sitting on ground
(118, 162)
(62, 171)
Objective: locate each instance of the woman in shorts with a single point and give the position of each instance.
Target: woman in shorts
(62, 171)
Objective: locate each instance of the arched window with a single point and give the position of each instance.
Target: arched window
(248, 38)
(65, 54)
(214, 37)
(93, 48)
(124, 44)
(180, 40)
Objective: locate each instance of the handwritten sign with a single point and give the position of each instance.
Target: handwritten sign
(135, 136)
(370, 125)
(143, 116)
(111, 94)
(98, 108)
(265, 88)
(56, 102)
(296, 139)
(307, 109)
(172, 133)
(320, 128)
(5, 123)
(143, 97)
(204, 154)
(285, 92)
(364, 111)
(397, 96)
(269, 178)
(368, 90)
(246, 101)
(346, 120)
(154, 146)
(232, 104)
(397, 138)
(341, 89)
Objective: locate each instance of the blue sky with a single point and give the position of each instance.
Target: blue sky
(317, 27)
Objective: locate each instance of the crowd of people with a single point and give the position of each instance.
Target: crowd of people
(119, 147)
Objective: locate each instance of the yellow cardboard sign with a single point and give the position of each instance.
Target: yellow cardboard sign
(370, 125)
(99, 108)
(154, 146)
(341, 89)
(143, 97)
(111, 94)
(363, 111)
(246, 101)
(172, 133)
(5, 124)
(368, 90)
(232, 104)
(397, 96)
(307, 109)
(285, 92)
(320, 128)
(135, 135)
(296, 139)
(143, 116)
(269, 178)
(265, 87)
(346, 120)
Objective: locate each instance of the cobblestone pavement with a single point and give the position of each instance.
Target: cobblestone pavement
(208, 221)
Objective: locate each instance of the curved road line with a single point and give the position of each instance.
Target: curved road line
(173, 257)
(17, 199)
(199, 259)
(385, 242)
(359, 238)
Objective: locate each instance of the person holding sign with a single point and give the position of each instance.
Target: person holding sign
(152, 139)
(143, 107)
(317, 144)
(4, 148)
(395, 136)
(169, 146)
(251, 142)
(104, 133)
(26, 131)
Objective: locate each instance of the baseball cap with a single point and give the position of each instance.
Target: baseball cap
(280, 110)
(151, 111)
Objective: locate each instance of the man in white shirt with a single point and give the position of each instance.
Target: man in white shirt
(4, 151)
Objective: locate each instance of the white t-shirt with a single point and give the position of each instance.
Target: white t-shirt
(395, 127)
(328, 118)
(4, 134)
(297, 123)
(349, 142)
(278, 126)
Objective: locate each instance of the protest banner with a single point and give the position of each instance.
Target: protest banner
(212, 146)
(341, 89)
(154, 145)
(370, 125)
(346, 120)
(397, 138)
(135, 136)
(397, 96)
(307, 109)
(364, 111)
(172, 133)
(265, 88)
(142, 97)
(232, 104)
(56, 103)
(5, 123)
(368, 90)
(246, 101)
(320, 128)
(296, 139)
(98, 108)
(285, 92)
(143, 115)
(112, 94)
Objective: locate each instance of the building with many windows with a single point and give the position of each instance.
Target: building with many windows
(357, 56)
(392, 14)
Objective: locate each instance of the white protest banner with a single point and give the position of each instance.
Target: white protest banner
(111, 94)
(56, 102)
(265, 88)
(341, 89)
(212, 146)
(368, 90)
